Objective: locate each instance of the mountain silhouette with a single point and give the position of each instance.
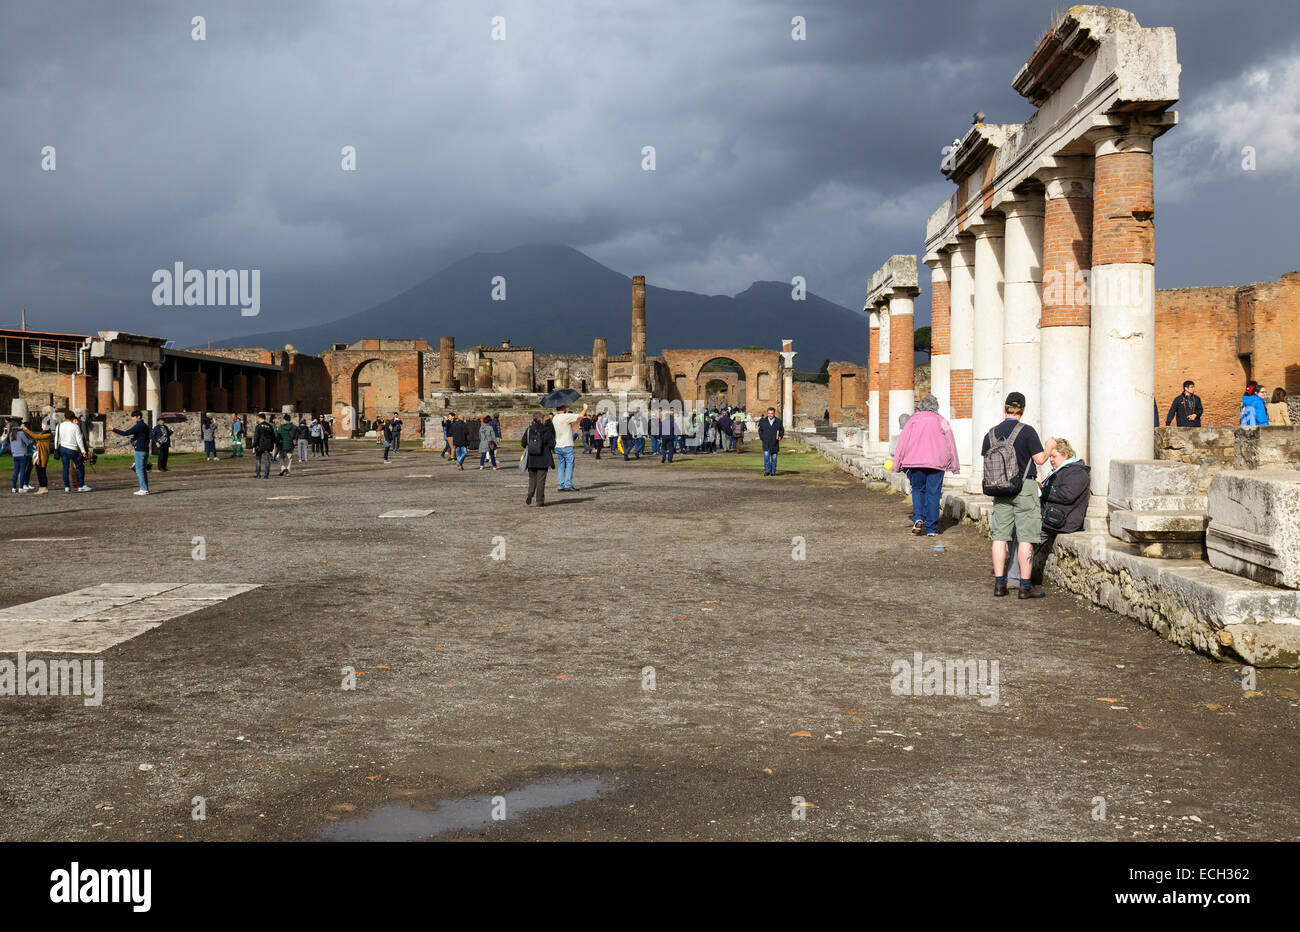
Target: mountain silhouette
(558, 300)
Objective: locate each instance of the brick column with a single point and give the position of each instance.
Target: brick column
(940, 311)
(1066, 315)
(987, 395)
(1122, 340)
(902, 384)
(1023, 300)
(961, 287)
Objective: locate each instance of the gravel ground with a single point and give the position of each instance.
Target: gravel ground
(523, 677)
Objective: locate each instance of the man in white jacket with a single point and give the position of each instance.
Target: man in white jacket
(70, 440)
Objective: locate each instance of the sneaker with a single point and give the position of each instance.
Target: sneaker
(141, 492)
(84, 488)
(931, 533)
(23, 490)
(66, 489)
(42, 491)
(29, 488)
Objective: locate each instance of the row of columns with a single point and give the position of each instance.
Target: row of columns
(1053, 295)
(891, 385)
(188, 392)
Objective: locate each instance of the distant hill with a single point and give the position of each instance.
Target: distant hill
(559, 299)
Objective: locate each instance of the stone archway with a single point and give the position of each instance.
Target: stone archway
(760, 374)
(375, 390)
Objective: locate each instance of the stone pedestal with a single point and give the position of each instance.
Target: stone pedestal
(1156, 505)
(1255, 526)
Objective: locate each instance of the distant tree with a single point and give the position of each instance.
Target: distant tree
(921, 340)
(752, 346)
(826, 367)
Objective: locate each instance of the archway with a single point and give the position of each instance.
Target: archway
(374, 390)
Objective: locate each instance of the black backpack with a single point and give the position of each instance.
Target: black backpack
(1002, 477)
(535, 447)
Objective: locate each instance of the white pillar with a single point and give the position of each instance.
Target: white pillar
(130, 386)
(787, 385)
(105, 387)
(871, 444)
(940, 319)
(961, 281)
(902, 391)
(886, 415)
(986, 376)
(153, 389)
(1023, 301)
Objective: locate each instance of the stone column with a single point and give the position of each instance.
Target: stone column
(961, 286)
(257, 393)
(130, 386)
(447, 364)
(153, 389)
(483, 378)
(561, 374)
(940, 317)
(872, 442)
(787, 385)
(1066, 315)
(639, 382)
(1023, 301)
(886, 338)
(239, 393)
(987, 396)
(105, 386)
(902, 376)
(1121, 395)
(600, 365)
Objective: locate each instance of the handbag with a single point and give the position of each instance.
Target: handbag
(1054, 518)
(523, 462)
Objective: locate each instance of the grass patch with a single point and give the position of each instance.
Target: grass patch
(794, 461)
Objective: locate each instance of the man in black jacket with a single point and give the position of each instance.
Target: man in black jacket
(139, 434)
(770, 431)
(539, 444)
(1186, 408)
(263, 447)
(459, 435)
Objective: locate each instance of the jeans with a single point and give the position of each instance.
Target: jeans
(141, 461)
(666, 450)
(640, 445)
(209, 448)
(564, 468)
(262, 466)
(20, 471)
(73, 458)
(927, 495)
(485, 454)
(460, 455)
(302, 449)
(769, 462)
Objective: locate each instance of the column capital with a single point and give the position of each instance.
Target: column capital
(991, 226)
(963, 250)
(903, 291)
(1029, 204)
(939, 266)
(1136, 133)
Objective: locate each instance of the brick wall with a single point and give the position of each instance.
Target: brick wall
(1123, 215)
(810, 398)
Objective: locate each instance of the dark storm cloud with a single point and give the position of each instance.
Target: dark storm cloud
(775, 157)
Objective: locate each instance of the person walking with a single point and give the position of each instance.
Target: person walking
(667, 436)
(139, 434)
(162, 443)
(586, 426)
(20, 448)
(538, 443)
(598, 433)
(487, 444)
(1254, 413)
(41, 444)
(236, 439)
(303, 433)
(287, 435)
(563, 424)
(1011, 452)
(926, 450)
(263, 447)
(446, 435)
(458, 431)
(1279, 415)
(72, 451)
(326, 431)
(771, 432)
(1186, 409)
(395, 425)
(208, 428)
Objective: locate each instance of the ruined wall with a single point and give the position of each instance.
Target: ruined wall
(580, 369)
(810, 398)
(847, 391)
(1217, 448)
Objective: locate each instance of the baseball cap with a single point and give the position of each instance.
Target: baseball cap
(1016, 398)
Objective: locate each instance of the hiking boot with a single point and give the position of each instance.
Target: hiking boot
(1031, 594)
(999, 588)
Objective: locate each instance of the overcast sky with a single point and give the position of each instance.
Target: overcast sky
(774, 157)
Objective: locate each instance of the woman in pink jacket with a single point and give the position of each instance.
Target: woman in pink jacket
(926, 450)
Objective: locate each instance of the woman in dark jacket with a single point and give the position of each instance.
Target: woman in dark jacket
(1063, 498)
(538, 442)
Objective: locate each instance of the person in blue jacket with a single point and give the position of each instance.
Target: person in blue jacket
(1253, 411)
(139, 434)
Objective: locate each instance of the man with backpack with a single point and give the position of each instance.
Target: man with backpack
(263, 447)
(162, 442)
(1011, 451)
(288, 436)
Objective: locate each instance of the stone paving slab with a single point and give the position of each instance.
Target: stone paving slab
(408, 513)
(130, 590)
(150, 610)
(68, 637)
(220, 591)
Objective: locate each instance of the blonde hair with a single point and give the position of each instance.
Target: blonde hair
(1064, 446)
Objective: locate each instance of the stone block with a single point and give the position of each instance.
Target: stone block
(1254, 528)
(1154, 485)
(1169, 535)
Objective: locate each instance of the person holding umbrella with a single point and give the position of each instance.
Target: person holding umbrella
(563, 423)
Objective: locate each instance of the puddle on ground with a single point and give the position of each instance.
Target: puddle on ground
(410, 823)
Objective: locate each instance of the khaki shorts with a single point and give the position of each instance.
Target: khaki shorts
(1019, 513)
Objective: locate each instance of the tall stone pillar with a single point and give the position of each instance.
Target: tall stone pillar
(130, 386)
(447, 364)
(1121, 395)
(239, 393)
(987, 396)
(153, 389)
(639, 381)
(961, 287)
(257, 393)
(940, 318)
(562, 374)
(1067, 314)
(902, 378)
(787, 385)
(483, 378)
(105, 387)
(1023, 301)
(886, 338)
(600, 365)
(872, 442)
